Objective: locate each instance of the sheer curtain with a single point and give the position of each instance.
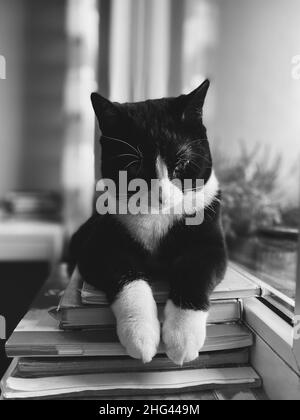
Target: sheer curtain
(148, 49)
(140, 49)
(160, 47)
(82, 28)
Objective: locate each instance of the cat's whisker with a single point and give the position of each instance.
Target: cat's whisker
(125, 155)
(203, 157)
(210, 206)
(194, 189)
(123, 142)
(197, 141)
(130, 164)
(195, 164)
(188, 146)
(140, 153)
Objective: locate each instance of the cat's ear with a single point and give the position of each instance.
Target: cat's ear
(107, 112)
(194, 103)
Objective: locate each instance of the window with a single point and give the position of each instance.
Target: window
(254, 127)
(251, 113)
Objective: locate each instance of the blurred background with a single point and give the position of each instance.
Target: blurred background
(58, 51)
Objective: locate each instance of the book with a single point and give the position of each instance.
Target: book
(39, 367)
(73, 314)
(234, 286)
(99, 317)
(39, 335)
(86, 360)
(83, 306)
(123, 384)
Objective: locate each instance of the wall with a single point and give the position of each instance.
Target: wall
(44, 79)
(11, 46)
(33, 40)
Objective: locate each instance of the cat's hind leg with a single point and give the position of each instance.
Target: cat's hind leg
(138, 326)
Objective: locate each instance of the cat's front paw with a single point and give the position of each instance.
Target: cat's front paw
(140, 338)
(138, 326)
(184, 333)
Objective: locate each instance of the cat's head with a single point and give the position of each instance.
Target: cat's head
(156, 139)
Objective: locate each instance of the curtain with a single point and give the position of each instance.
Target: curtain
(82, 28)
(140, 49)
(151, 49)
(161, 47)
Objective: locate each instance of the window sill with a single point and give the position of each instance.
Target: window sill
(277, 333)
(273, 354)
(268, 291)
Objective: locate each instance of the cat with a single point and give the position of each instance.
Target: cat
(122, 255)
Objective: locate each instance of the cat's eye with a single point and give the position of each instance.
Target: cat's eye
(182, 167)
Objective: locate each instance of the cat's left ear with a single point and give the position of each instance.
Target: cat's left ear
(107, 112)
(194, 103)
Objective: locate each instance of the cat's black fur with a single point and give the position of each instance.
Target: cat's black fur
(191, 258)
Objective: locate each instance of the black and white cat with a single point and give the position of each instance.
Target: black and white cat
(123, 254)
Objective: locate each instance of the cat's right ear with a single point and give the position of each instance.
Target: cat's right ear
(194, 103)
(106, 111)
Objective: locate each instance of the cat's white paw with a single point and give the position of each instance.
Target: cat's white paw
(184, 333)
(140, 338)
(138, 326)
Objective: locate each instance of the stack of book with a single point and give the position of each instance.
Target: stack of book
(66, 347)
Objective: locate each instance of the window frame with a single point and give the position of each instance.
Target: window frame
(273, 355)
(272, 329)
(283, 309)
(282, 304)
(296, 337)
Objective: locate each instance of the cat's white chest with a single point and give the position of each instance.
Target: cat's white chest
(148, 229)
